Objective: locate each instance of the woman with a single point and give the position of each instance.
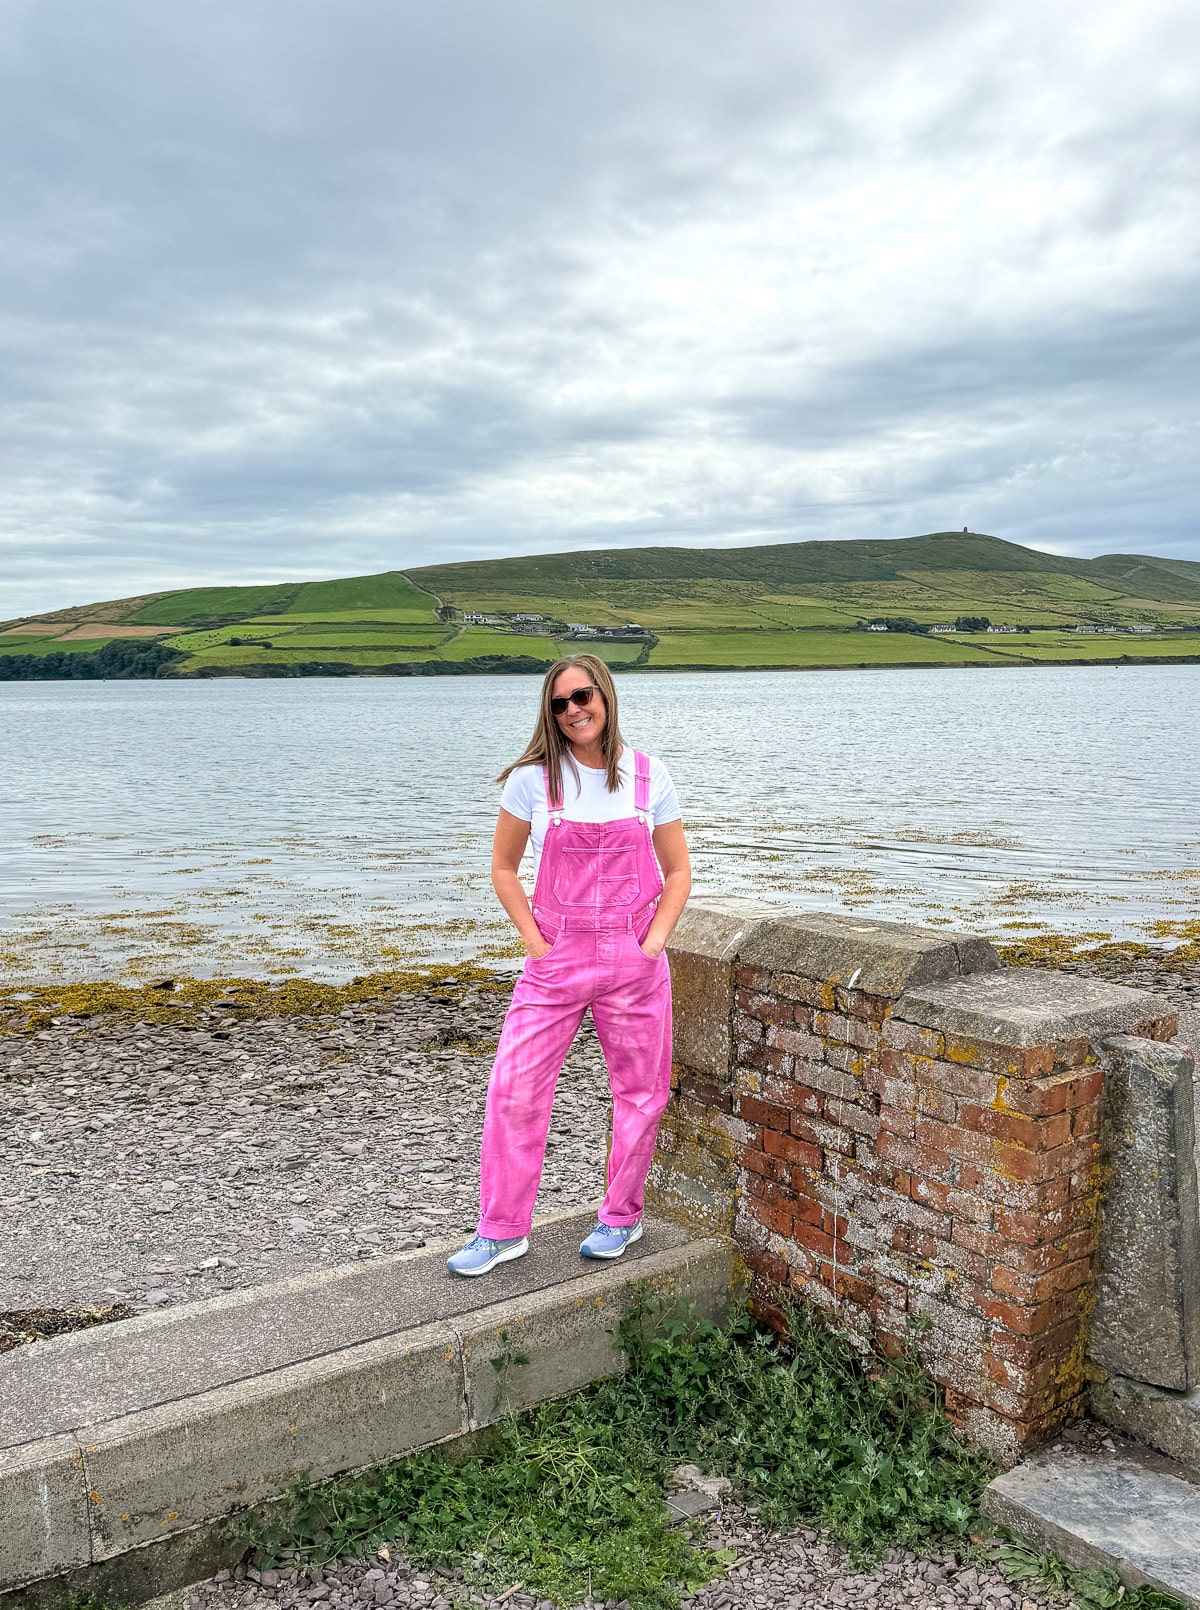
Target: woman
(603, 820)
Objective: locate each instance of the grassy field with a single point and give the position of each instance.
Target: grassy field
(1067, 646)
(808, 648)
(391, 591)
(479, 640)
(49, 645)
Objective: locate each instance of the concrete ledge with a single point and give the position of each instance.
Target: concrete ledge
(1023, 1007)
(1128, 1513)
(879, 958)
(134, 1474)
(1169, 1421)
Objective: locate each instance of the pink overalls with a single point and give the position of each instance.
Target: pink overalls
(597, 888)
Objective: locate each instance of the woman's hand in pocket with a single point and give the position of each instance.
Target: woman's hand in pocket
(535, 949)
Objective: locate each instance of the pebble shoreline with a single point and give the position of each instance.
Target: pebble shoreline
(160, 1164)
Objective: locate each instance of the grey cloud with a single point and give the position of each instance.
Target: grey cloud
(310, 289)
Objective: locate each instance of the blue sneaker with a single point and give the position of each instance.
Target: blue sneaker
(481, 1254)
(610, 1240)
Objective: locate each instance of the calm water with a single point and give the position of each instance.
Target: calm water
(334, 826)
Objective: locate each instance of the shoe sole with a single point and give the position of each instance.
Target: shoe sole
(506, 1256)
(608, 1256)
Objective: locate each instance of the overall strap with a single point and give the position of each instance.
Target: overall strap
(554, 810)
(641, 781)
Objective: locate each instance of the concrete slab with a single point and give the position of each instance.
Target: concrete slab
(1024, 1007)
(1127, 1512)
(1168, 1421)
(90, 1377)
(1146, 1322)
(43, 1510)
(170, 1467)
(882, 958)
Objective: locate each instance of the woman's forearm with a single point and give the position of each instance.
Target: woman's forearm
(677, 885)
(510, 892)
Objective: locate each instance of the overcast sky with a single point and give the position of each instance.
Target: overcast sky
(298, 288)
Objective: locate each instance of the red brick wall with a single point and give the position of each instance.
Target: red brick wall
(891, 1173)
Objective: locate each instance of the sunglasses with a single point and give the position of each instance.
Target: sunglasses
(579, 696)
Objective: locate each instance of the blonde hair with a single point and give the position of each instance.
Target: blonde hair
(548, 746)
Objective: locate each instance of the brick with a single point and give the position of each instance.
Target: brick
(953, 1139)
(1159, 1028)
(832, 1137)
(766, 1114)
(967, 1208)
(790, 1093)
(810, 991)
(762, 1057)
(802, 1128)
(1017, 1129)
(922, 1161)
(787, 1037)
(1013, 1061)
(1037, 1288)
(851, 1288)
(903, 1210)
(769, 1008)
(847, 1030)
(800, 1152)
(752, 978)
(853, 1116)
(898, 1122)
(766, 1166)
(903, 1036)
(892, 1092)
(1025, 1319)
(815, 1239)
(806, 1211)
(746, 1029)
(777, 1220)
(846, 1058)
(858, 1003)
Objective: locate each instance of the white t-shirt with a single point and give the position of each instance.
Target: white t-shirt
(588, 799)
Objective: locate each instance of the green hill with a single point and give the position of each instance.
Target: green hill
(785, 604)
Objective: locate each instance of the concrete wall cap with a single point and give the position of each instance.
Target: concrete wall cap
(1024, 1007)
(716, 928)
(880, 958)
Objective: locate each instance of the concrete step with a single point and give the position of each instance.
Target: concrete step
(1168, 1421)
(153, 1430)
(1132, 1512)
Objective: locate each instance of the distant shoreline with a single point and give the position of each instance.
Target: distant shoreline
(439, 669)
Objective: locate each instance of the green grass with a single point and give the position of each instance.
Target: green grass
(194, 642)
(212, 603)
(807, 648)
(50, 645)
(610, 653)
(1067, 646)
(335, 637)
(227, 654)
(391, 590)
(346, 617)
(477, 640)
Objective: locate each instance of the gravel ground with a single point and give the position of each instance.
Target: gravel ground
(795, 1569)
(159, 1164)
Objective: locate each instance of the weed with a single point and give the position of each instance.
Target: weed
(570, 1500)
(1088, 1589)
